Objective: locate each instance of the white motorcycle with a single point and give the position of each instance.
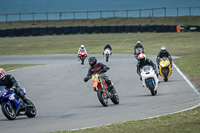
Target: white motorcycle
(107, 54)
(149, 79)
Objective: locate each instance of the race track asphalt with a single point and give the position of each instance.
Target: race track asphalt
(64, 101)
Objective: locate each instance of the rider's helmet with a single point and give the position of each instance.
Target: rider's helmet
(138, 43)
(2, 73)
(82, 46)
(108, 44)
(163, 49)
(142, 57)
(92, 61)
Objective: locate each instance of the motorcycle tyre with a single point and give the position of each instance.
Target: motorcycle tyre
(8, 115)
(30, 113)
(107, 58)
(102, 100)
(82, 61)
(115, 99)
(165, 74)
(151, 88)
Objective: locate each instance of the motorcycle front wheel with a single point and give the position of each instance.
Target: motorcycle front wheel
(102, 99)
(151, 88)
(8, 112)
(30, 108)
(82, 60)
(165, 74)
(107, 58)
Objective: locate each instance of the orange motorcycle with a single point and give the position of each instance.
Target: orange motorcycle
(103, 91)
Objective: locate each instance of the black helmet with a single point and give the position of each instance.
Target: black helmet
(92, 61)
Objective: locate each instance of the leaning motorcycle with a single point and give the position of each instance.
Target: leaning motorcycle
(149, 79)
(13, 106)
(138, 51)
(103, 91)
(107, 54)
(165, 68)
(82, 56)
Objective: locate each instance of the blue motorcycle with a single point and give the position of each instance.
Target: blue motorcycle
(12, 105)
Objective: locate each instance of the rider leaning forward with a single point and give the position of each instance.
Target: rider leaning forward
(138, 45)
(108, 47)
(98, 68)
(164, 53)
(143, 61)
(10, 82)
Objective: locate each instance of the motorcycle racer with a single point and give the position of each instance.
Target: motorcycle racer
(96, 68)
(10, 82)
(138, 45)
(82, 48)
(143, 61)
(108, 47)
(164, 53)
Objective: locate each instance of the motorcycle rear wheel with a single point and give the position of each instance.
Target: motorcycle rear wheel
(8, 112)
(30, 111)
(102, 99)
(115, 98)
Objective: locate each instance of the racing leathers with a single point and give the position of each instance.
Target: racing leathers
(138, 45)
(99, 68)
(147, 61)
(10, 82)
(108, 47)
(161, 55)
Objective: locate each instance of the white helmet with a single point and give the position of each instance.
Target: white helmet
(163, 49)
(82, 46)
(138, 41)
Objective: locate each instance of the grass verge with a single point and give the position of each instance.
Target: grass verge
(122, 43)
(184, 122)
(8, 67)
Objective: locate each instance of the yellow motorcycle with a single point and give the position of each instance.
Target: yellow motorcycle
(165, 68)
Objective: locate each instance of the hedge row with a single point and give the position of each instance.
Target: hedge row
(90, 29)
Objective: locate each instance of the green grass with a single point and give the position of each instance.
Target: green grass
(177, 43)
(190, 64)
(14, 66)
(184, 122)
(194, 20)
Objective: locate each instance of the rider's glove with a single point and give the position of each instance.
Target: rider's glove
(13, 88)
(86, 79)
(105, 69)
